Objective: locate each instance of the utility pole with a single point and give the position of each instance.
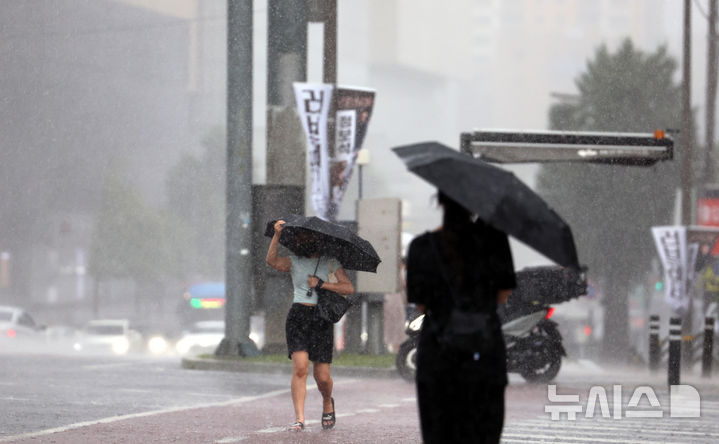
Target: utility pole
(238, 233)
(286, 150)
(329, 75)
(711, 93)
(686, 155)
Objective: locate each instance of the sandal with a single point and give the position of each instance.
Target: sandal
(296, 427)
(328, 419)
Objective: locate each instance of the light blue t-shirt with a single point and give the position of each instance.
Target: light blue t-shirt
(303, 266)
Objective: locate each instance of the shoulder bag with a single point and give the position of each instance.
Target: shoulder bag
(331, 306)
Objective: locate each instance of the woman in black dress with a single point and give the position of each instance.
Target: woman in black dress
(460, 394)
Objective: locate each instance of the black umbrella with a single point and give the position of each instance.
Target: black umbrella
(495, 196)
(353, 252)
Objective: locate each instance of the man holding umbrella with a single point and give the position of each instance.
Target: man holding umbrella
(320, 252)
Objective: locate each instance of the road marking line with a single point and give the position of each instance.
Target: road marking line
(231, 440)
(564, 426)
(592, 439)
(133, 390)
(589, 364)
(367, 411)
(271, 430)
(106, 366)
(389, 406)
(237, 401)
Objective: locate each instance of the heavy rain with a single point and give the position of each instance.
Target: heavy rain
(150, 151)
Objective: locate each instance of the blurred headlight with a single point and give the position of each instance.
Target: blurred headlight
(121, 346)
(157, 345)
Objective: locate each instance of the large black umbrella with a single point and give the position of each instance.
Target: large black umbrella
(353, 252)
(495, 195)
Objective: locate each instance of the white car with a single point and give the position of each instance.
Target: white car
(108, 336)
(205, 336)
(202, 337)
(17, 326)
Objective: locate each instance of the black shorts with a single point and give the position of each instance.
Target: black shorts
(306, 331)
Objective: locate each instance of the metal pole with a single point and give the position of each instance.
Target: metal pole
(708, 349)
(238, 233)
(711, 92)
(675, 344)
(686, 154)
(329, 75)
(654, 348)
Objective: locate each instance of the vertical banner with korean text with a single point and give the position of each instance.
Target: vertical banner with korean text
(671, 245)
(313, 105)
(331, 170)
(354, 109)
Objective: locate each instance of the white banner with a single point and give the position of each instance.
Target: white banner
(672, 247)
(313, 104)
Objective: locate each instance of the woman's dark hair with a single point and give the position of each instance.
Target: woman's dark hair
(457, 238)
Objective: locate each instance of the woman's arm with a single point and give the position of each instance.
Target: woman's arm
(274, 261)
(342, 286)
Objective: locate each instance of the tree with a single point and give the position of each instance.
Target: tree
(132, 240)
(611, 208)
(196, 197)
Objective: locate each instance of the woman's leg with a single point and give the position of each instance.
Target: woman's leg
(323, 378)
(298, 386)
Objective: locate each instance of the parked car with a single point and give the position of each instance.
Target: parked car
(18, 327)
(108, 336)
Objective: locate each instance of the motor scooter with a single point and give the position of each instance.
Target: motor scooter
(533, 342)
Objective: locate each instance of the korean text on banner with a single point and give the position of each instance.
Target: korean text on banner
(671, 245)
(313, 104)
(354, 109)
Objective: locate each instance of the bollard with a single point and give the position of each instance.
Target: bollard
(654, 348)
(708, 349)
(675, 350)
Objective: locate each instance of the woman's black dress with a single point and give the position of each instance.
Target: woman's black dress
(460, 397)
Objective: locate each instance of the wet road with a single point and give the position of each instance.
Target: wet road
(56, 399)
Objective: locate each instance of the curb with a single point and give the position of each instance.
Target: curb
(240, 366)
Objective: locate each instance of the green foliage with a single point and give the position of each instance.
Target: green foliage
(196, 197)
(612, 207)
(339, 359)
(132, 240)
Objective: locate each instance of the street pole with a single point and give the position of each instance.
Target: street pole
(238, 234)
(711, 93)
(286, 150)
(329, 75)
(686, 155)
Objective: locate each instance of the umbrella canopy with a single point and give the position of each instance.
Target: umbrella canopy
(495, 195)
(353, 252)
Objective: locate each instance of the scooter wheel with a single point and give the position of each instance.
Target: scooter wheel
(543, 374)
(407, 360)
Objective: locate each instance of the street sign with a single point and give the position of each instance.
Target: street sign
(504, 146)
